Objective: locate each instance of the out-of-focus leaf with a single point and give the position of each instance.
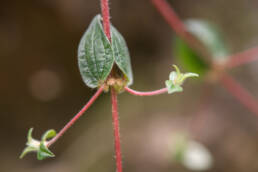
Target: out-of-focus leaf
(189, 59)
(197, 157)
(210, 36)
(211, 39)
(190, 153)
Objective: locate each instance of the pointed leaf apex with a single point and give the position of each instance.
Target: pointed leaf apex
(176, 79)
(177, 69)
(29, 137)
(48, 134)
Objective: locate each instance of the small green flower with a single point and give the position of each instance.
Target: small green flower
(176, 79)
(39, 146)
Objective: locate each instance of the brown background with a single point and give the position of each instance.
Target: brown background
(41, 87)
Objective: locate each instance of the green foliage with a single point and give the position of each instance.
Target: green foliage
(210, 37)
(121, 54)
(190, 153)
(179, 147)
(176, 79)
(39, 146)
(188, 58)
(97, 55)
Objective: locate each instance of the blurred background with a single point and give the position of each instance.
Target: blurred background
(41, 87)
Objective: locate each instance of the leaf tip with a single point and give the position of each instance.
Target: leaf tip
(176, 79)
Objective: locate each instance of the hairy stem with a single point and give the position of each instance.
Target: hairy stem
(106, 26)
(76, 117)
(244, 57)
(116, 130)
(149, 93)
(243, 96)
(106, 18)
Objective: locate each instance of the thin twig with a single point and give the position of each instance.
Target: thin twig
(149, 93)
(178, 26)
(242, 58)
(236, 90)
(76, 117)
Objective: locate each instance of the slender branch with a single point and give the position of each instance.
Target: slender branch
(106, 18)
(106, 25)
(242, 58)
(76, 117)
(171, 17)
(178, 26)
(243, 96)
(116, 130)
(149, 93)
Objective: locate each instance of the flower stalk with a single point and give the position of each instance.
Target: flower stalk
(147, 93)
(76, 117)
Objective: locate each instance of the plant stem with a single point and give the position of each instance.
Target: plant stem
(236, 90)
(76, 117)
(116, 130)
(106, 26)
(178, 26)
(106, 17)
(244, 57)
(171, 17)
(149, 93)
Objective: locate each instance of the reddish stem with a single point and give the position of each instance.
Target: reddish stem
(171, 17)
(149, 93)
(106, 17)
(116, 130)
(236, 90)
(244, 57)
(106, 25)
(76, 117)
(178, 26)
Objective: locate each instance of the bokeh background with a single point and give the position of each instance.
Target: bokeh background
(41, 87)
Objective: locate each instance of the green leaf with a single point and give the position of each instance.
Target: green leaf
(44, 152)
(176, 79)
(95, 55)
(211, 39)
(29, 136)
(27, 150)
(189, 59)
(121, 54)
(39, 146)
(48, 134)
(172, 88)
(179, 147)
(210, 36)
